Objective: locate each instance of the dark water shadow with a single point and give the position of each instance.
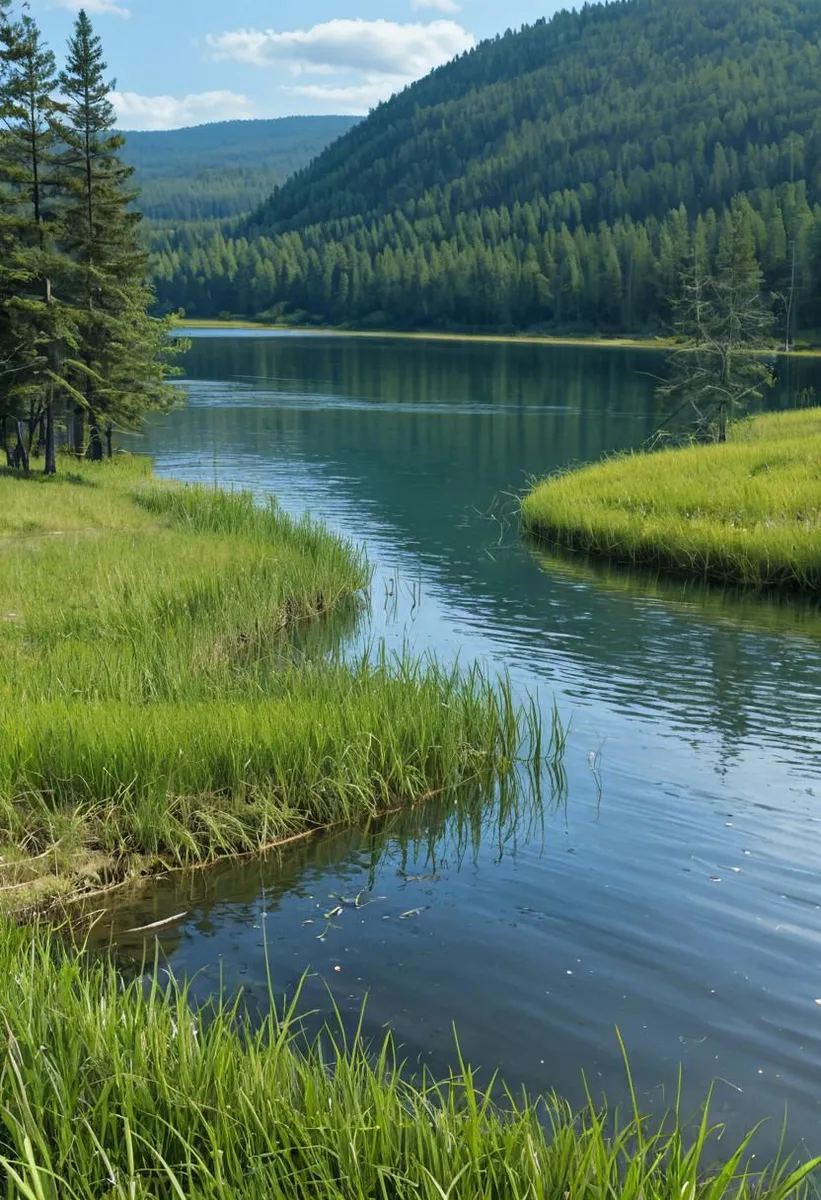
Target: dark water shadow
(412, 845)
(765, 611)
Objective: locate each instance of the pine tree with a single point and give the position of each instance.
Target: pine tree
(38, 326)
(8, 245)
(741, 321)
(722, 323)
(124, 359)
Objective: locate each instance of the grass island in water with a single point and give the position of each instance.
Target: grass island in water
(747, 513)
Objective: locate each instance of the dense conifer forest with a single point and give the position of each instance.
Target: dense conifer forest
(559, 176)
(225, 169)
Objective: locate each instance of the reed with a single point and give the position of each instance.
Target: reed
(153, 709)
(745, 513)
(124, 1091)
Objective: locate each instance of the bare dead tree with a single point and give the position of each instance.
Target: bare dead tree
(722, 325)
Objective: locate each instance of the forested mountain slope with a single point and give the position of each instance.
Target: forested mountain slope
(209, 172)
(556, 176)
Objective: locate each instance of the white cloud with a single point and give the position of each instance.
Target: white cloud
(354, 98)
(383, 47)
(99, 7)
(445, 6)
(171, 112)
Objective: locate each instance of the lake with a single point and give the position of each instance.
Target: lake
(673, 893)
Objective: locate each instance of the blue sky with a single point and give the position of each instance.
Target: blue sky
(184, 62)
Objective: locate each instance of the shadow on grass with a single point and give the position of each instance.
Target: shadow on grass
(38, 477)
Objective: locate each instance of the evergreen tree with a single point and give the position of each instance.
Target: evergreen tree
(8, 244)
(722, 322)
(38, 326)
(124, 360)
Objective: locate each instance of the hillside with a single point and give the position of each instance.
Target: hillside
(554, 177)
(210, 172)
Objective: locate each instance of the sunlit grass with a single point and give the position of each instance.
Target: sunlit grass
(747, 513)
(152, 712)
(124, 1091)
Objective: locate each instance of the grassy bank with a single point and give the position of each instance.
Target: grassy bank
(213, 323)
(603, 341)
(641, 343)
(152, 711)
(121, 1091)
(746, 513)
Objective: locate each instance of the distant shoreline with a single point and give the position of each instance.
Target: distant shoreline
(527, 339)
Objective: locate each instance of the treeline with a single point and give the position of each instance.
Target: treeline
(79, 353)
(505, 270)
(557, 176)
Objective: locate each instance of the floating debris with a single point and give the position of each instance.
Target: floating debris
(158, 924)
(354, 901)
(412, 912)
(431, 878)
(320, 937)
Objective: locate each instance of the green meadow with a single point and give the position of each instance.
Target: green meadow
(746, 513)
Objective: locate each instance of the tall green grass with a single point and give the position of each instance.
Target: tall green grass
(101, 600)
(746, 513)
(185, 782)
(123, 1091)
(152, 710)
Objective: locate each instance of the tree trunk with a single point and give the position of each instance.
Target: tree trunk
(40, 443)
(95, 445)
(108, 436)
(722, 424)
(50, 467)
(21, 454)
(79, 431)
(33, 446)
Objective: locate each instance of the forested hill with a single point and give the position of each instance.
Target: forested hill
(555, 176)
(224, 169)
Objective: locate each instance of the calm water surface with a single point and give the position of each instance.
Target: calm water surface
(676, 895)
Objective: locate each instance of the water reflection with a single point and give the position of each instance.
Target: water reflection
(743, 666)
(321, 897)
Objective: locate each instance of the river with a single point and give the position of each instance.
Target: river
(674, 894)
